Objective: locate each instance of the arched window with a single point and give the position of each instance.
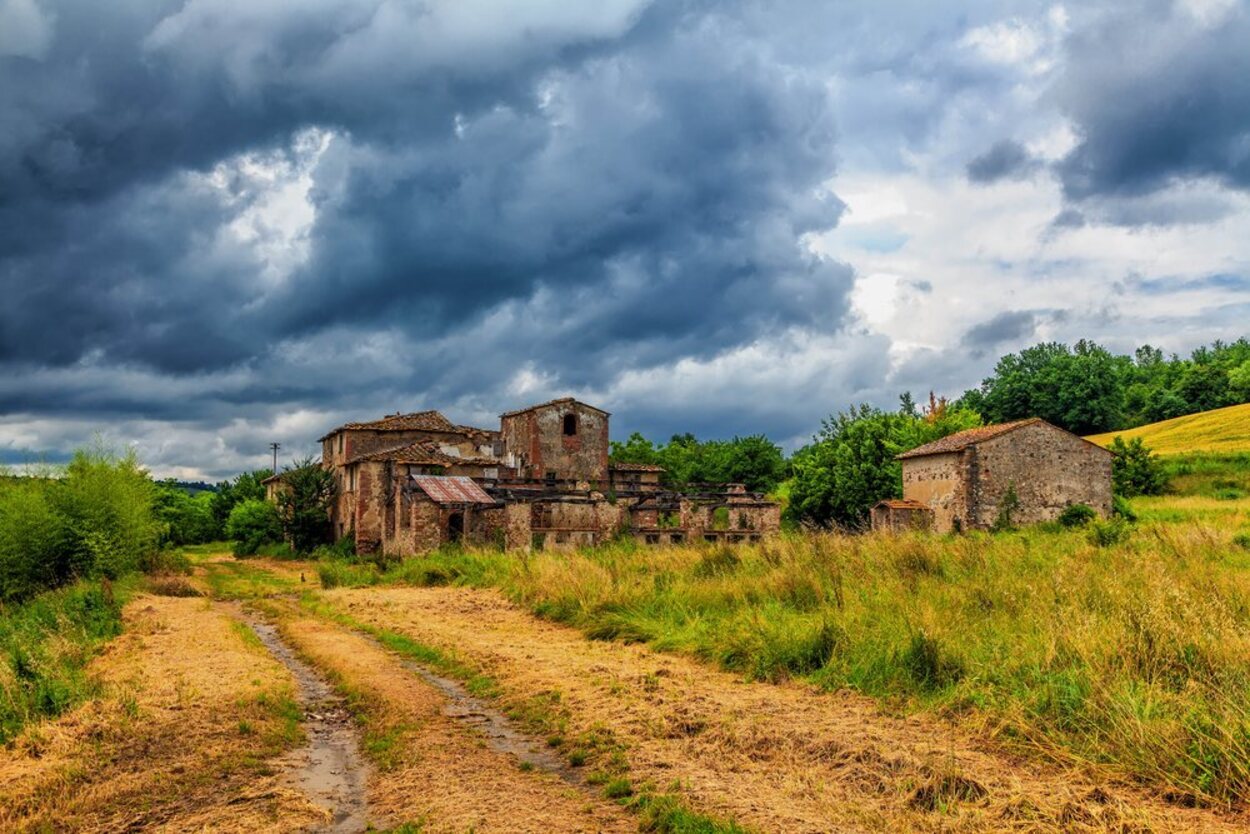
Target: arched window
(570, 424)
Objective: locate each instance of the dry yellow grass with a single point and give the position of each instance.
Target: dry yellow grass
(776, 758)
(179, 742)
(1222, 430)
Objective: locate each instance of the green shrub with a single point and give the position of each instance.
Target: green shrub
(1242, 540)
(335, 574)
(1134, 469)
(1007, 507)
(304, 505)
(1108, 533)
(46, 643)
(94, 517)
(253, 524)
(1077, 515)
(1121, 508)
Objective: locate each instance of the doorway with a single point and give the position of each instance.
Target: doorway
(455, 527)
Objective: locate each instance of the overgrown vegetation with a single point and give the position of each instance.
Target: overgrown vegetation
(304, 503)
(1103, 643)
(755, 461)
(93, 518)
(1134, 469)
(1088, 390)
(850, 466)
(45, 644)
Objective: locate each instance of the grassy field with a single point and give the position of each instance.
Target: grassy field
(1223, 431)
(1128, 647)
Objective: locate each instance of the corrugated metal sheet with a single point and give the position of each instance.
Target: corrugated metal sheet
(452, 489)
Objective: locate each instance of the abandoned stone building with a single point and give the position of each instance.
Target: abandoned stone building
(408, 483)
(959, 481)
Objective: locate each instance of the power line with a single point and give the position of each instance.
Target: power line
(275, 447)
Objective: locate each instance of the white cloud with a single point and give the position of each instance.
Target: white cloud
(25, 29)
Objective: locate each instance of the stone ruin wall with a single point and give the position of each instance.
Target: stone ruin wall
(1050, 468)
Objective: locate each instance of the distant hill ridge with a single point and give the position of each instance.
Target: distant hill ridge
(1219, 430)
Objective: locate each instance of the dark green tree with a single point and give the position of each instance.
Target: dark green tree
(1134, 469)
(304, 501)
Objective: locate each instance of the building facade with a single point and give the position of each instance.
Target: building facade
(961, 480)
(408, 483)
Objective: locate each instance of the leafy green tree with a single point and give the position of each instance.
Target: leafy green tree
(304, 503)
(1080, 389)
(33, 537)
(184, 519)
(106, 501)
(1134, 469)
(851, 465)
(755, 460)
(247, 486)
(253, 524)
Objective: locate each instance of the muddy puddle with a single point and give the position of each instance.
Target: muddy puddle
(329, 768)
(499, 732)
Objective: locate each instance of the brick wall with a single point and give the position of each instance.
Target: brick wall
(538, 436)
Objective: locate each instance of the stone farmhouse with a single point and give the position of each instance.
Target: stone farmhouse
(408, 483)
(959, 482)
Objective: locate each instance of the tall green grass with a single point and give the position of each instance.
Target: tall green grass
(1131, 650)
(45, 644)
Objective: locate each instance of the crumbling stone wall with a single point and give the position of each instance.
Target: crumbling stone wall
(1050, 469)
(537, 436)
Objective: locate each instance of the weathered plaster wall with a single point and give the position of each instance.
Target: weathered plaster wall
(937, 481)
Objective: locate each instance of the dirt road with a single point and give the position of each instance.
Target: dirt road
(777, 758)
(450, 710)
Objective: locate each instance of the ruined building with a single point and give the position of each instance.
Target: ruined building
(408, 483)
(959, 482)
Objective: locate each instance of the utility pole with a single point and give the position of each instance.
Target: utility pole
(274, 447)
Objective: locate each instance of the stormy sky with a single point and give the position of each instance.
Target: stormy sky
(225, 223)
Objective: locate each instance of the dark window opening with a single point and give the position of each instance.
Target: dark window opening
(570, 424)
(709, 537)
(677, 538)
(551, 475)
(455, 527)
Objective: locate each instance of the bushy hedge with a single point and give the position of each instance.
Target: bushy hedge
(252, 525)
(93, 518)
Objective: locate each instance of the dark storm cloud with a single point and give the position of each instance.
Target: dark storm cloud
(621, 187)
(1010, 326)
(1158, 94)
(1006, 159)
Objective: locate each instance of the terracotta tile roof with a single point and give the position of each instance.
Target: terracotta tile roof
(414, 421)
(425, 453)
(454, 489)
(636, 467)
(560, 401)
(970, 437)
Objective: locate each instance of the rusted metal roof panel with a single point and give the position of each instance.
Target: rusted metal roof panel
(452, 489)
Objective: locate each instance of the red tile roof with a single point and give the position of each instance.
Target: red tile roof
(414, 421)
(425, 453)
(970, 437)
(560, 401)
(451, 489)
(636, 467)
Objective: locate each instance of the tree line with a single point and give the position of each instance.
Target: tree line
(850, 463)
(1086, 389)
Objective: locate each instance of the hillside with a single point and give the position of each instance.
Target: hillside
(1222, 430)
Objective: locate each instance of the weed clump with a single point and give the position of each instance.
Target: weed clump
(1077, 515)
